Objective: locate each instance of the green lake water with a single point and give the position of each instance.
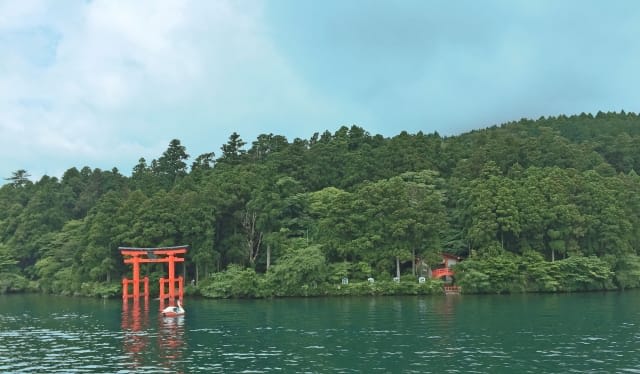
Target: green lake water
(590, 332)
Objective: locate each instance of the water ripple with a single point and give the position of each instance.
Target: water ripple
(409, 335)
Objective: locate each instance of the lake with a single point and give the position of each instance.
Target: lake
(589, 332)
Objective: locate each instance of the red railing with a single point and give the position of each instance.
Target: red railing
(439, 273)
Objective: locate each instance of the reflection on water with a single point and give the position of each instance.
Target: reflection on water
(146, 344)
(464, 333)
(171, 339)
(135, 326)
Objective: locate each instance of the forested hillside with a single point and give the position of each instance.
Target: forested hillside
(536, 205)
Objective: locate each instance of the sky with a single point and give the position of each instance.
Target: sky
(103, 83)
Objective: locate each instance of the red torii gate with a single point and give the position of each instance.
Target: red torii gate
(136, 256)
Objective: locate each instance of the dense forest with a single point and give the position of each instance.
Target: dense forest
(542, 205)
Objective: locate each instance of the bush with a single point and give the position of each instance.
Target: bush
(627, 272)
(100, 289)
(508, 273)
(404, 287)
(302, 272)
(501, 273)
(584, 274)
(235, 282)
(339, 270)
(11, 282)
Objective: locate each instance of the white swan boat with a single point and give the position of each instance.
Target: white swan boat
(173, 311)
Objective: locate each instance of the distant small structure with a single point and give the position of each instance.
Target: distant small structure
(449, 260)
(446, 272)
(444, 269)
(452, 290)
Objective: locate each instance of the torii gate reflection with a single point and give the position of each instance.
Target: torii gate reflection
(136, 256)
(139, 333)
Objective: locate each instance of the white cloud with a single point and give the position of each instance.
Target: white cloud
(122, 76)
(105, 82)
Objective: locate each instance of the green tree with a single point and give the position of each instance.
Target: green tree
(300, 272)
(233, 151)
(171, 166)
(19, 178)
